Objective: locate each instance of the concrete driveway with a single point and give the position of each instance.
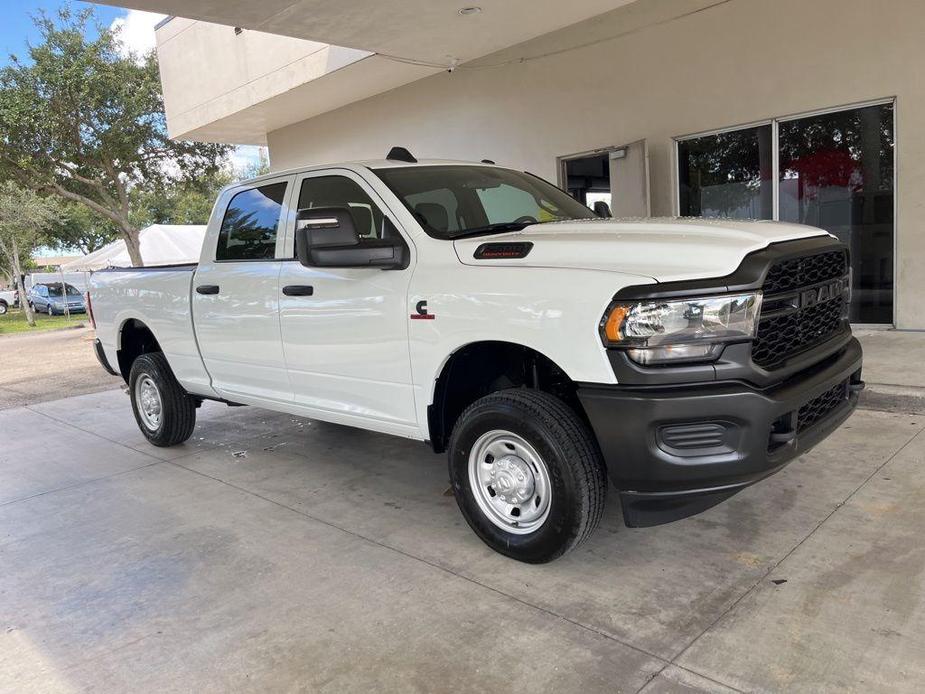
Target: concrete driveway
(275, 553)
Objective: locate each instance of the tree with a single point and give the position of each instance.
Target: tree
(82, 229)
(84, 123)
(24, 219)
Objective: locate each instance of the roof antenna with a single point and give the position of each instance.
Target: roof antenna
(487, 161)
(401, 154)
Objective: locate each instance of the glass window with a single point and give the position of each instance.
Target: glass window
(438, 208)
(340, 191)
(452, 201)
(55, 290)
(727, 175)
(836, 172)
(250, 224)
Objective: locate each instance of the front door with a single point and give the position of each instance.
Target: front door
(345, 330)
(235, 306)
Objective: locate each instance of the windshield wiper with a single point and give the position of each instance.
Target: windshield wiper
(494, 229)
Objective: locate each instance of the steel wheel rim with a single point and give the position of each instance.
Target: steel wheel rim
(148, 399)
(510, 482)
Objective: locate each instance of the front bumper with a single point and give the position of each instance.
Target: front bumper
(674, 451)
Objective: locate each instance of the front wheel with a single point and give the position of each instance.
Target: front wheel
(51, 311)
(527, 474)
(165, 413)
(3, 308)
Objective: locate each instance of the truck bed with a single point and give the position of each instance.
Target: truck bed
(160, 297)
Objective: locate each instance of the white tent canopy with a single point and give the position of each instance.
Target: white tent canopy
(161, 244)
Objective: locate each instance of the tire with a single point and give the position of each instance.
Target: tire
(538, 431)
(3, 308)
(51, 311)
(176, 414)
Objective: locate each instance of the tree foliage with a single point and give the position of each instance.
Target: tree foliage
(24, 220)
(84, 123)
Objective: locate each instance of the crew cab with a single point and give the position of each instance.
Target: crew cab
(550, 352)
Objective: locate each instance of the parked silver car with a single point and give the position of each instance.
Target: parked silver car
(50, 298)
(8, 300)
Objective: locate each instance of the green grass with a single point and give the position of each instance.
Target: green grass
(14, 321)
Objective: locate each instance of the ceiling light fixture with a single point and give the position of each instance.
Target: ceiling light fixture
(465, 11)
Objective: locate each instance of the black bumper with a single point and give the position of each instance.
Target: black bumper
(101, 357)
(674, 451)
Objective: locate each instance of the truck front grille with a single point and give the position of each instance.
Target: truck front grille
(821, 405)
(803, 305)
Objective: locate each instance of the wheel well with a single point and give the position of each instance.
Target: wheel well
(481, 368)
(136, 339)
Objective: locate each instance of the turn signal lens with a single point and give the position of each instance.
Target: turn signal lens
(614, 321)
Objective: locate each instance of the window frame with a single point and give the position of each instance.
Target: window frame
(226, 201)
(775, 123)
(286, 249)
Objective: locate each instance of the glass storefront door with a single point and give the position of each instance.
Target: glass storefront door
(835, 171)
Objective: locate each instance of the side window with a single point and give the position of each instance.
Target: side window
(249, 227)
(339, 191)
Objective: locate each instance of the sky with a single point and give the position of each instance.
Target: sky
(137, 32)
(136, 27)
(17, 29)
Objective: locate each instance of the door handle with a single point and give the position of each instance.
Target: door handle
(207, 289)
(298, 290)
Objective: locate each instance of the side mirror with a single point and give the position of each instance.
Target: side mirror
(327, 237)
(602, 209)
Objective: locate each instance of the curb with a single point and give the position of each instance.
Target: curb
(890, 398)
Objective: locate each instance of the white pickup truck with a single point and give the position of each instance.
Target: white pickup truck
(486, 312)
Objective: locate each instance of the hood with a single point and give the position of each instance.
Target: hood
(665, 250)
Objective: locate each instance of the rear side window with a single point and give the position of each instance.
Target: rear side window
(249, 227)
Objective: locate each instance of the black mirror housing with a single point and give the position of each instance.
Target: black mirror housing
(327, 237)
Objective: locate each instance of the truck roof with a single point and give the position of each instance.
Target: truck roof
(366, 164)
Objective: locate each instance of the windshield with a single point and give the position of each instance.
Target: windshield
(455, 201)
(55, 290)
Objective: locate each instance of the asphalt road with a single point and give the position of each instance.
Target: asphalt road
(51, 365)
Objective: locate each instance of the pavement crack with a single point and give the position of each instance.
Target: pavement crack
(91, 433)
(82, 483)
(792, 550)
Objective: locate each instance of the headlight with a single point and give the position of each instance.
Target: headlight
(679, 330)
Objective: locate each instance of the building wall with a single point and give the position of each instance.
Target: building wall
(665, 76)
(210, 72)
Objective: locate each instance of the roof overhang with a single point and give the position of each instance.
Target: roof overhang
(301, 58)
(431, 31)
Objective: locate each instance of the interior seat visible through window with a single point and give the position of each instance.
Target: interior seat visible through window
(340, 191)
(433, 215)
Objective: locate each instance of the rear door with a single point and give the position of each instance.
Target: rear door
(235, 294)
(345, 330)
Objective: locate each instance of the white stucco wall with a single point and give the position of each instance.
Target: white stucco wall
(738, 62)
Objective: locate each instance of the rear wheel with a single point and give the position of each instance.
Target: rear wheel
(51, 311)
(527, 474)
(3, 308)
(165, 413)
